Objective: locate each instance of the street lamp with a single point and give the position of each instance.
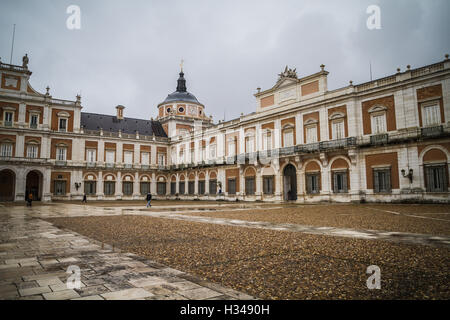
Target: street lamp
(408, 175)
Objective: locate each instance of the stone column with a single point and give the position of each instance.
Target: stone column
(100, 187)
(118, 192)
(259, 184)
(46, 183)
(136, 185)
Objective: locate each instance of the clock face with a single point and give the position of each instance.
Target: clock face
(192, 110)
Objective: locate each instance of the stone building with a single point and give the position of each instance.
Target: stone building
(384, 140)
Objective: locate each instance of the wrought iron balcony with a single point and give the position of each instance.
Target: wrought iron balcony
(435, 131)
(60, 163)
(311, 147)
(287, 151)
(109, 165)
(91, 164)
(338, 144)
(379, 139)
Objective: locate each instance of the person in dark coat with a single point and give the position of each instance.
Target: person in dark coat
(149, 199)
(84, 198)
(30, 200)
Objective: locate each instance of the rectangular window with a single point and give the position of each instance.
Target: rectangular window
(201, 187)
(249, 144)
(145, 158)
(311, 134)
(436, 178)
(212, 151)
(250, 186)
(191, 187)
(109, 188)
(231, 186)
(267, 141)
(312, 183)
(203, 153)
(337, 128)
(231, 148)
(145, 188)
(340, 182)
(34, 121)
(91, 155)
(128, 157)
(288, 138)
(431, 115)
(110, 156)
(32, 151)
(6, 150)
(161, 188)
(60, 188)
(127, 188)
(161, 159)
(212, 187)
(90, 187)
(268, 185)
(173, 188)
(9, 119)
(182, 187)
(62, 125)
(61, 154)
(379, 123)
(382, 180)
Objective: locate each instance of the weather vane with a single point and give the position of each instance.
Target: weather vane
(181, 65)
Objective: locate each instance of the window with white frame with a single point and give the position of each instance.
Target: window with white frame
(8, 116)
(431, 114)
(203, 153)
(249, 144)
(311, 133)
(161, 159)
(128, 157)
(34, 119)
(91, 155)
(212, 151)
(62, 125)
(6, 149)
(110, 156)
(337, 129)
(145, 158)
(181, 155)
(32, 151)
(378, 123)
(61, 153)
(231, 147)
(288, 137)
(267, 140)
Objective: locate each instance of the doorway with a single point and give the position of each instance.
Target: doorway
(290, 182)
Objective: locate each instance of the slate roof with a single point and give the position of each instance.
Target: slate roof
(94, 121)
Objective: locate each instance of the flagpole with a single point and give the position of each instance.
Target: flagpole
(12, 44)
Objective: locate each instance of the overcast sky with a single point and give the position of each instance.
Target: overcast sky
(128, 52)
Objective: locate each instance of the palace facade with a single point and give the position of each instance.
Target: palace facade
(385, 140)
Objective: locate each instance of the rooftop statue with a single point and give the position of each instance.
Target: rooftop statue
(288, 73)
(25, 61)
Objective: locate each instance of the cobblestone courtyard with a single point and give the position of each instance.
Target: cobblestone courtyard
(216, 250)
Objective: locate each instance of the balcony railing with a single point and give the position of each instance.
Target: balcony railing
(60, 163)
(310, 147)
(287, 151)
(379, 139)
(338, 144)
(432, 131)
(91, 164)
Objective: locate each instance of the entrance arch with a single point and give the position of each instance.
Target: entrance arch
(7, 185)
(290, 182)
(33, 185)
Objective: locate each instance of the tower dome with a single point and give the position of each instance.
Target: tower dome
(181, 103)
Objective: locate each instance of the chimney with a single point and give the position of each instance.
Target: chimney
(119, 109)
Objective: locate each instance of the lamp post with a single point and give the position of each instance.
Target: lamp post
(408, 175)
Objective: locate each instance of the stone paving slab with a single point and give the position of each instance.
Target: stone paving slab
(35, 255)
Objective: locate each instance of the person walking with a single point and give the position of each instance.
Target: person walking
(30, 200)
(84, 198)
(149, 199)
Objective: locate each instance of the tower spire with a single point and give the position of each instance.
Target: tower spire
(181, 87)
